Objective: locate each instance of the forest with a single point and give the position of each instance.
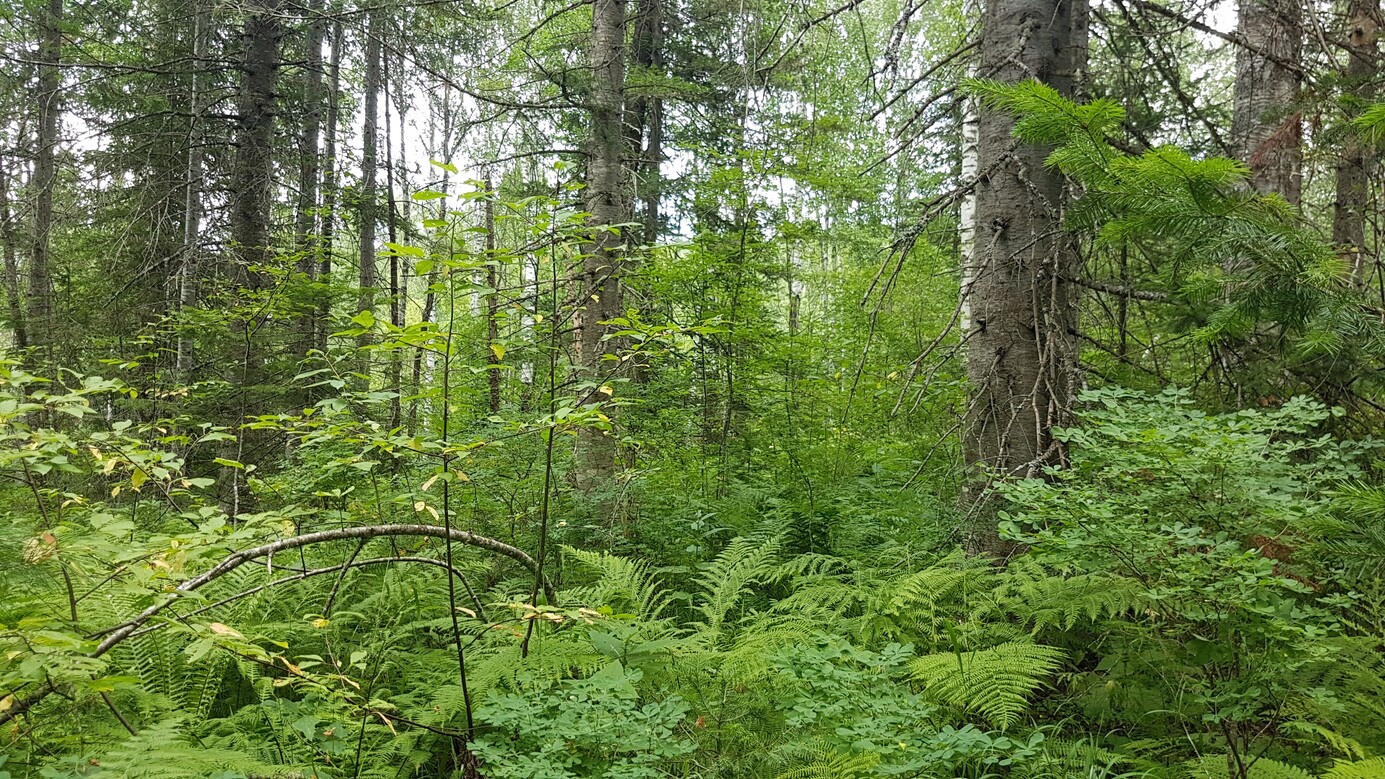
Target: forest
(640, 389)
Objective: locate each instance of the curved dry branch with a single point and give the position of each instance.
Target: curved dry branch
(118, 633)
(301, 575)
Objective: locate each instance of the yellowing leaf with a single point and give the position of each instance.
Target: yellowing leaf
(224, 630)
(498, 350)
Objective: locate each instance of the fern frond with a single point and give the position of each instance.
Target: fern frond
(1216, 767)
(994, 683)
(163, 751)
(625, 585)
(1373, 768)
(745, 561)
(828, 763)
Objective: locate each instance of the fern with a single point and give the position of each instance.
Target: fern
(744, 562)
(1373, 768)
(1072, 760)
(1062, 602)
(1217, 767)
(625, 585)
(994, 683)
(163, 751)
(828, 763)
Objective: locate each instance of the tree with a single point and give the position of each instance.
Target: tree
(370, 163)
(1266, 124)
(307, 234)
(607, 198)
(252, 183)
(1020, 350)
(39, 317)
(1355, 161)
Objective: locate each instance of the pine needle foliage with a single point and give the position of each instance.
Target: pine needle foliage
(1242, 265)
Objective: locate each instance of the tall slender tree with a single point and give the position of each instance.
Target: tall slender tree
(370, 163)
(1355, 162)
(1021, 356)
(1267, 125)
(608, 200)
(9, 245)
(330, 179)
(192, 183)
(252, 184)
(39, 318)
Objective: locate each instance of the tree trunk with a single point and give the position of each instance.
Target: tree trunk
(306, 236)
(252, 180)
(39, 318)
(9, 245)
(1021, 356)
(492, 301)
(645, 122)
(608, 200)
(329, 181)
(392, 231)
(192, 190)
(1353, 167)
(1266, 125)
(369, 197)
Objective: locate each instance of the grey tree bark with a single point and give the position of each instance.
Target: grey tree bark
(1356, 161)
(329, 180)
(307, 238)
(252, 180)
(9, 245)
(39, 317)
(608, 200)
(645, 116)
(1021, 355)
(1266, 125)
(192, 187)
(492, 299)
(370, 161)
